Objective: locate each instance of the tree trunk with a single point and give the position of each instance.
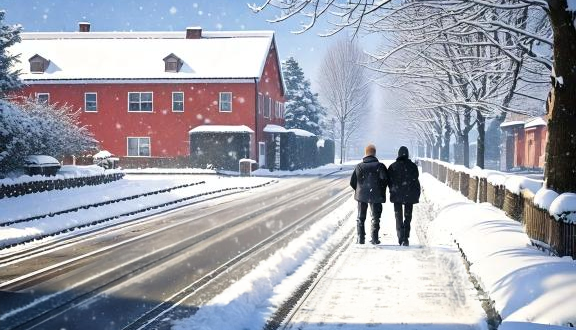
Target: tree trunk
(465, 137)
(466, 150)
(342, 126)
(445, 153)
(437, 146)
(560, 168)
(480, 146)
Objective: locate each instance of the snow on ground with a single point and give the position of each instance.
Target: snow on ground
(530, 289)
(46, 202)
(322, 170)
(393, 287)
(249, 302)
(384, 286)
(64, 199)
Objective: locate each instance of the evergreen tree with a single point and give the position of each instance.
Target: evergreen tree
(302, 108)
(9, 35)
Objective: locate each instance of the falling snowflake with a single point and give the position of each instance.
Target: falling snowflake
(173, 10)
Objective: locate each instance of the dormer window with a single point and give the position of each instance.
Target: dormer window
(38, 64)
(172, 63)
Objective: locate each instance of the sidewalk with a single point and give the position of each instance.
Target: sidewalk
(392, 287)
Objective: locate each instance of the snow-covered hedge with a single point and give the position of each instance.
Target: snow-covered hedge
(32, 128)
(67, 177)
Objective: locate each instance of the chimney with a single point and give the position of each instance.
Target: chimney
(193, 32)
(83, 26)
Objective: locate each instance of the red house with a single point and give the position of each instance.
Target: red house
(141, 93)
(523, 144)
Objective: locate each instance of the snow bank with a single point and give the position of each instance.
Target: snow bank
(515, 184)
(564, 208)
(544, 198)
(248, 303)
(530, 289)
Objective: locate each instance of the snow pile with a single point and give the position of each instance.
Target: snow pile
(544, 198)
(249, 302)
(530, 290)
(515, 184)
(564, 208)
(102, 154)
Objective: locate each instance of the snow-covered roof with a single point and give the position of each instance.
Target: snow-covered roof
(102, 154)
(301, 132)
(535, 122)
(270, 128)
(41, 160)
(222, 129)
(512, 123)
(138, 55)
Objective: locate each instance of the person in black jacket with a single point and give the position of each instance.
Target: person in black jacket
(404, 192)
(369, 182)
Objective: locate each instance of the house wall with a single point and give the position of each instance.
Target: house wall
(168, 130)
(519, 149)
(270, 85)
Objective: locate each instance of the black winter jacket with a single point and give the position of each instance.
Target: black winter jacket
(403, 181)
(369, 181)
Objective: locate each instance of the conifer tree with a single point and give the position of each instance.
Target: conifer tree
(302, 108)
(9, 35)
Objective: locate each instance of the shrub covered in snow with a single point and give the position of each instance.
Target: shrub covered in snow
(33, 128)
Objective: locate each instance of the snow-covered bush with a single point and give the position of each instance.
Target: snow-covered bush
(32, 128)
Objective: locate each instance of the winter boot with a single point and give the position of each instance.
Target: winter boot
(361, 232)
(375, 229)
(400, 237)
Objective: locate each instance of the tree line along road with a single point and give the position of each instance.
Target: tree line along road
(127, 277)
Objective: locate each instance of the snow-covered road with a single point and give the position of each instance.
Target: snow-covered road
(393, 287)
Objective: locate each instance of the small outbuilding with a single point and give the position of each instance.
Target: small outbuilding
(219, 146)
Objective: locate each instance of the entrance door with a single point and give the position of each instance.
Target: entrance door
(262, 154)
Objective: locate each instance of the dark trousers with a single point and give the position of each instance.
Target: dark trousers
(403, 220)
(376, 209)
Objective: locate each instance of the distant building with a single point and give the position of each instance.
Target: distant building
(523, 144)
(142, 93)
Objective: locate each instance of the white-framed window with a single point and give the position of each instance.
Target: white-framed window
(225, 103)
(138, 146)
(90, 102)
(140, 101)
(260, 103)
(281, 110)
(277, 109)
(177, 101)
(43, 97)
(267, 106)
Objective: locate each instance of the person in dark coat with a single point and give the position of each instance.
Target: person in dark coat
(404, 192)
(369, 182)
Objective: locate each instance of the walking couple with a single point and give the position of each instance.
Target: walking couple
(370, 179)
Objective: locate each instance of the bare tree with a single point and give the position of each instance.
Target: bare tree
(505, 35)
(343, 84)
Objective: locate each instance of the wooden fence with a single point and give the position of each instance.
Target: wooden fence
(541, 227)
